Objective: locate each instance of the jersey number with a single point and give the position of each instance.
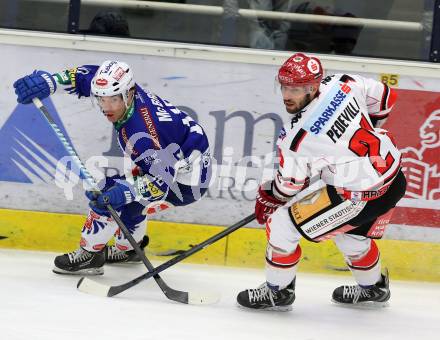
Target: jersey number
(364, 143)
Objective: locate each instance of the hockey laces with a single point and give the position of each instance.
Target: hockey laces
(356, 292)
(261, 293)
(78, 255)
(116, 254)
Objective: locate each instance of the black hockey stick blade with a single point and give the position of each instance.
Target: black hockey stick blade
(90, 286)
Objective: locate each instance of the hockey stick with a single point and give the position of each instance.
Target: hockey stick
(93, 287)
(170, 293)
(89, 286)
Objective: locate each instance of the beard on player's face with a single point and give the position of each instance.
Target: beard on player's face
(297, 104)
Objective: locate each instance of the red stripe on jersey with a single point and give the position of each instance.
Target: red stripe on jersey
(281, 157)
(391, 177)
(292, 186)
(392, 97)
(365, 124)
(279, 177)
(268, 228)
(369, 260)
(379, 116)
(279, 191)
(389, 98)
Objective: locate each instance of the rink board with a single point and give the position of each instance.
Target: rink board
(230, 92)
(44, 231)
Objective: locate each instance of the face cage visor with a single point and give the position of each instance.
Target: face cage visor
(294, 90)
(97, 100)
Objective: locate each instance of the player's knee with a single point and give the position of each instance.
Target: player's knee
(363, 259)
(352, 245)
(282, 258)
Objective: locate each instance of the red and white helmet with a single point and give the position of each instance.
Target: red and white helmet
(112, 78)
(300, 70)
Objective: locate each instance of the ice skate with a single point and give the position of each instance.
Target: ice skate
(266, 298)
(113, 255)
(361, 296)
(80, 262)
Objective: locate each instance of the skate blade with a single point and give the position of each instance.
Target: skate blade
(268, 309)
(363, 305)
(89, 271)
(127, 263)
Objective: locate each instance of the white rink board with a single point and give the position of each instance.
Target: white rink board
(213, 90)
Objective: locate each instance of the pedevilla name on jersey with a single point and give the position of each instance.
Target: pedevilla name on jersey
(343, 120)
(331, 108)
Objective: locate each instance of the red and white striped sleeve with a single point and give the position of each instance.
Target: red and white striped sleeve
(380, 98)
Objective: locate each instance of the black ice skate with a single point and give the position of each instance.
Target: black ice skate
(357, 296)
(80, 262)
(265, 298)
(114, 255)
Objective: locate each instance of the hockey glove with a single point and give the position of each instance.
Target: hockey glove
(39, 84)
(266, 203)
(117, 196)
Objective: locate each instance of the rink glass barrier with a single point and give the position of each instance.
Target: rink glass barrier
(342, 27)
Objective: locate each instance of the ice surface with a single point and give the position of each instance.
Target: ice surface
(37, 304)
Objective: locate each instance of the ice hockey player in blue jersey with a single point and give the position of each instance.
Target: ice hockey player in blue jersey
(169, 149)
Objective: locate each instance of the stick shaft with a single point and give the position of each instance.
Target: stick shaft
(114, 290)
(176, 295)
(83, 170)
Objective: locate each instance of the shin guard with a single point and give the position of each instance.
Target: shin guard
(281, 266)
(366, 268)
(97, 231)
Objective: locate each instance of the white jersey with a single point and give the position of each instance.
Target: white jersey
(333, 137)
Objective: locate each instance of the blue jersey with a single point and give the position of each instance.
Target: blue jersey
(157, 136)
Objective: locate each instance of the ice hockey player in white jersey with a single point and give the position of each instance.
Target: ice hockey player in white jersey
(333, 137)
